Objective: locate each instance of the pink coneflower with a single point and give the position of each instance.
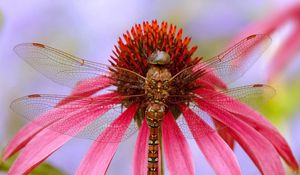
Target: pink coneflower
(156, 88)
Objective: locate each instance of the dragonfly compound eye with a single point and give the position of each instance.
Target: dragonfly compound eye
(159, 58)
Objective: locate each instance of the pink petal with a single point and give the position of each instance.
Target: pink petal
(91, 85)
(231, 104)
(177, 153)
(20, 140)
(224, 133)
(210, 77)
(273, 22)
(100, 154)
(257, 147)
(88, 87)
(257, 121)
(37, 150)
(213, 147)
(214, 79)
(205, 84)
(284, 54)
(270, 25)
(32, 128)
(141, 151)
(276, 139)
(41, 122)
(47, 141)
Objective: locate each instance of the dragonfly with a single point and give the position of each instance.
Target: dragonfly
(157, 91)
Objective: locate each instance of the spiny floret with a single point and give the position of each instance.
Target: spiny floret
(142, 40)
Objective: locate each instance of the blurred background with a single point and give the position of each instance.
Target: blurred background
(90, 29)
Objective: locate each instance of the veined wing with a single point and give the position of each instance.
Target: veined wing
(250, 94)
(231, 64)
(92, 115)
(66, 69)
(253, 95)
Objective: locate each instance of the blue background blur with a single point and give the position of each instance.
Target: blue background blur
(90, 29)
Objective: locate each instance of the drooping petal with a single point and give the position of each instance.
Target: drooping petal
(47, 141)
(37, 150)
(205, 84)
(272, 24)
(284, 54)
(210, 77)
(231, 104)
(32, 128)
(88, 87)
(21, 139)
(100, 154)
(141, 150)
(276, 139)
(224, 133)
(92, 85)
(258, 122)
(38, 124)
(215, 150)
(213, 79)
(177, 153)
(259, 149)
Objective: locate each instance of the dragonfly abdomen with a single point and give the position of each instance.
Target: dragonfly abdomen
(154, 114)
(153, 146)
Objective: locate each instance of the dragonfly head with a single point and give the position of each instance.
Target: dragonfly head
(159, 58)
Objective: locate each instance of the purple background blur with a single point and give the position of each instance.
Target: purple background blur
(90, 29)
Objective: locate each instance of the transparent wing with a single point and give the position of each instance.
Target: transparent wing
(231, 64)
(253, 95)
(34, 105)
(234, 62)
(250, 94)
(186, 129)
(94, 114)
(93, 130)
(66, 69)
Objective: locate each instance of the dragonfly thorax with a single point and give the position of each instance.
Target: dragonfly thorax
(157, 84)
(157, 89)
